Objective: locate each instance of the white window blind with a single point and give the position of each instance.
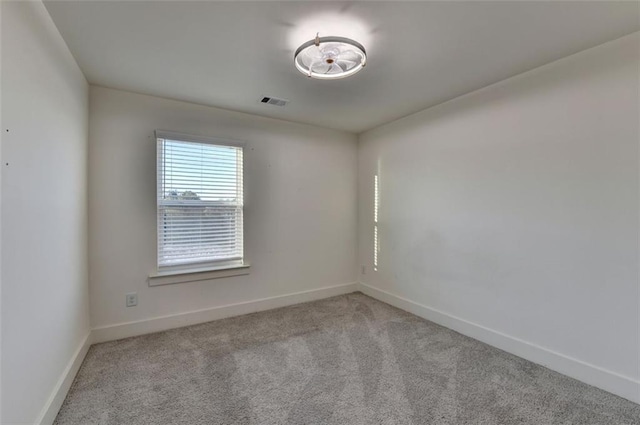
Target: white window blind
(200, 202)
(376, 201)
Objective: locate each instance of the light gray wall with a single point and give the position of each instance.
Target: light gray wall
(515, 208)
(45, 316)
(300, 206)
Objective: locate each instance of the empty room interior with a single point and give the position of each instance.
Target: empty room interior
(320, 213)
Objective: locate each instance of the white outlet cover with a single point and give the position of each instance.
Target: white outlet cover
(132, 299)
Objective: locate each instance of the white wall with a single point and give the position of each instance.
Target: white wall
(515, 208)
(45, 315)
(300, 206)
(1, 143)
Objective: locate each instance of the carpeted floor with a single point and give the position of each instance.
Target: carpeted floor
(345, 360)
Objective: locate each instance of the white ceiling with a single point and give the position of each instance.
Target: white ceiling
(230, 54)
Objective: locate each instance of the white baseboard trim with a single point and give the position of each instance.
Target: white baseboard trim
(607, 380)
(158, 324)
(51, 408)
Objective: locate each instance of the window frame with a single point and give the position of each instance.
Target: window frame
(197, 270)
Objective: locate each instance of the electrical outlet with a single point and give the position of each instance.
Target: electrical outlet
(132, 299)
(364, 269)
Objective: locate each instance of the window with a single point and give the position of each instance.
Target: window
(376, 200)
(200, 202)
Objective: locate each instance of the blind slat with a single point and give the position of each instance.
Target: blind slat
(199, 240)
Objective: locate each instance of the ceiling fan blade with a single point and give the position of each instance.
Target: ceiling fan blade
(346, 64)
(310, 55)
(306, 59)
(320, 67)
(314, 52)
(335, 69)
(349, 55)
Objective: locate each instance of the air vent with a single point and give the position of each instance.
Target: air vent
(274, 101)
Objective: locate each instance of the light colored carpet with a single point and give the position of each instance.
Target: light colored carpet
(344, 360)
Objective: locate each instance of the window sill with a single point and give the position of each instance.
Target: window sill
(194, 275)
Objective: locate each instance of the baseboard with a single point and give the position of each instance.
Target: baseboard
(51, 408)
(157, 324)
(607, 380)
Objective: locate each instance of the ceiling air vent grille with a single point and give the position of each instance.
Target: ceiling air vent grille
(273, 101)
